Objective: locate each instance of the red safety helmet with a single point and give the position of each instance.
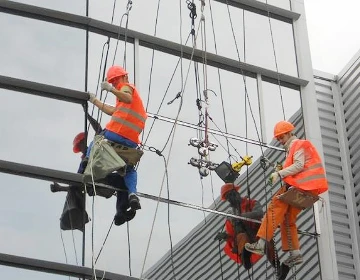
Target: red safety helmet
(77, 140)
(115, 72)
(283, 127)
(226, 188)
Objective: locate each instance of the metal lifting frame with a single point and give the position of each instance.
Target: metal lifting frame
(80, 97)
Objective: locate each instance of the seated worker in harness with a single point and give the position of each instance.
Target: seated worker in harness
(74, 215)
(302, 172)
(127, 122)
(238, 232)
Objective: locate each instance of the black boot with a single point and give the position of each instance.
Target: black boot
(134, 202)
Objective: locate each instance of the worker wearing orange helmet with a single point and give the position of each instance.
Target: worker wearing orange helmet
(128, 118)
(238, 232)
(302, 169)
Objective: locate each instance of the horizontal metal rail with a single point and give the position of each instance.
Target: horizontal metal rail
(75, 96)
(53, 175)
(149, 41)
(263, 9)
(44, 90)
(59, 268)
(214, 131)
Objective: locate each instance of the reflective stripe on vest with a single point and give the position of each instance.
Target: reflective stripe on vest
(131, 112)
(129, 124)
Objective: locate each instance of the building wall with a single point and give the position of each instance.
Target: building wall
(198, 256)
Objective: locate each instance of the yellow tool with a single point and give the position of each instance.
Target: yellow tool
(246, 160)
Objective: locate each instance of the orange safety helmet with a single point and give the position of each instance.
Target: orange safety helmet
(226, 188)
(77, 140)
(283, 127)
(115, 72)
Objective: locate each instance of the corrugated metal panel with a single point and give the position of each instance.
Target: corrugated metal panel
(350, 92)
(197, 256)
(334, 169)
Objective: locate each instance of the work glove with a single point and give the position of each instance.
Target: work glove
(221, 236)
(106, 86)
(273, 178)
(92, 97)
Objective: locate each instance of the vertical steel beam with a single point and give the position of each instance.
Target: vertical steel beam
(261, 108)
(136, 63)
(327, 254)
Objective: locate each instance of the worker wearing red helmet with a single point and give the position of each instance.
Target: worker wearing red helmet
(238, 232)
(128, 118)
(302, 169)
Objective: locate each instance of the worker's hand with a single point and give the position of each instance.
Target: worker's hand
(221, 236)
(92, 97)
(106, 86)
(273, 178)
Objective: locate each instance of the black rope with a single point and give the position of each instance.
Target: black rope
(102, 246)
(129, 246)
(276, 63)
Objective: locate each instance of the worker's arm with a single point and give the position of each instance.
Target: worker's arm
(107, 109)
(296, 167)
(124, 94)
(256, 213)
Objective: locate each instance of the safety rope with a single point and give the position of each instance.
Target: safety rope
(126, 14)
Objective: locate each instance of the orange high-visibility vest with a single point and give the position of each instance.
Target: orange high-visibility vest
(129, 119)
(312, 177)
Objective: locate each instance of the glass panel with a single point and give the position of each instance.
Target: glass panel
(284, 4)
(259, 49)
(41, 130)
(39, 52)
(277, 102)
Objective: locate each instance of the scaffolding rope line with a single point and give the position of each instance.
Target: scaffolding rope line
(172, 137)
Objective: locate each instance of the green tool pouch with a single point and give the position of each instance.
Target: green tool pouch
(103, 160)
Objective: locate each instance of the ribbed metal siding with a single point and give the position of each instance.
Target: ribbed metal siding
(335, 174)
(198, 256)
(350, 89)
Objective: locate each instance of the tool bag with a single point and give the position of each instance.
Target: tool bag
(131, 156)
(103, 160)
(298, 198)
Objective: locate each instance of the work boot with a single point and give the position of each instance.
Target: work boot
(119, 218)
(134, 202)
(293, 260)
(255, 248)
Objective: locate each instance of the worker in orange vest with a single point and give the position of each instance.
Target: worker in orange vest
(303, 170)
(127, 121)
